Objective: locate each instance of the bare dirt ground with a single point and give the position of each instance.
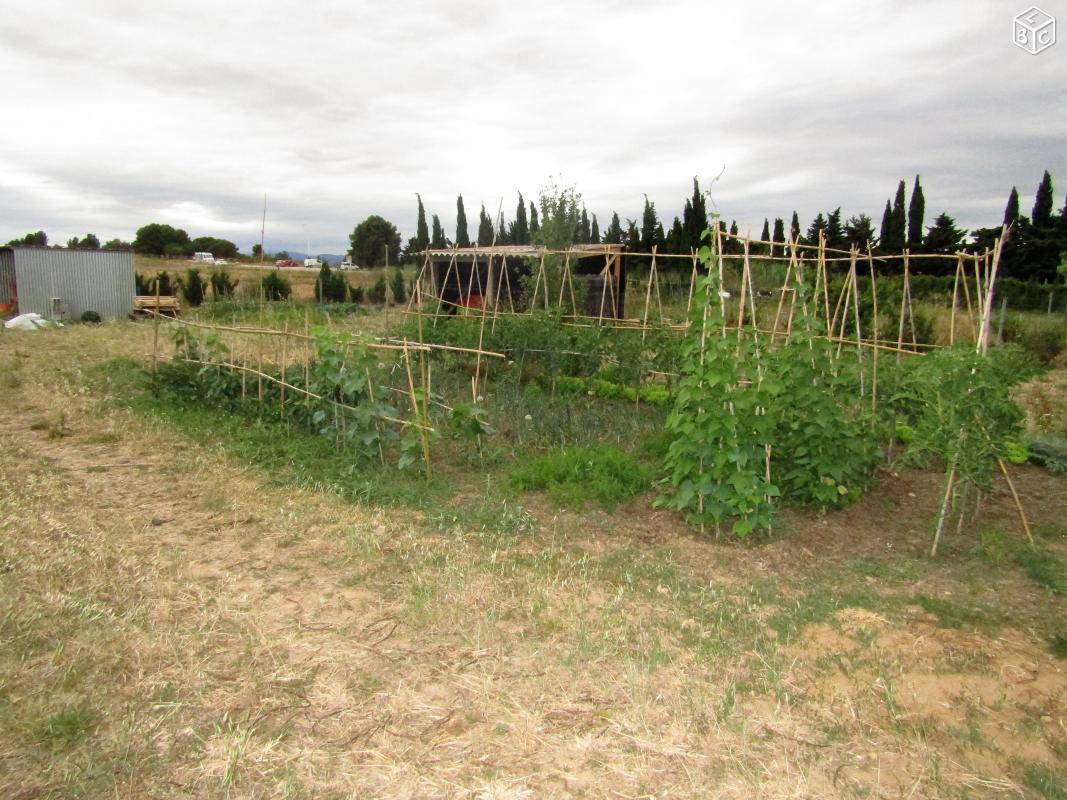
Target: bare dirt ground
(176, 624)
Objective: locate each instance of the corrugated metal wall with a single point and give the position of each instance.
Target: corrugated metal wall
(83, 280)
(7, 277)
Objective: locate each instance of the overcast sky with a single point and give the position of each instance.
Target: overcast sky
(116, 114)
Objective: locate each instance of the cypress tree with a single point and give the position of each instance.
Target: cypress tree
(649, 222)
(886, 231)
(584, 233)
(422, 235)
(794, 228)
(899, 219)
(632, 239)
(859, 231)
(818, 225)
(676, 241)
(594, 232)
(438, 241)
(695, 217)
(463, 239)
(502, 231)
(613, 235)
(835, 232)
(534, 225)
(485, 229)
(1011, 211)
(916, 211)
(1042, 215)
(778, 248)
(765, 235)
(520, 230)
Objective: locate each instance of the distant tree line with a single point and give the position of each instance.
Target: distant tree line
(1035, 249)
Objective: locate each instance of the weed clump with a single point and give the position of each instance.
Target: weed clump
(571, 476)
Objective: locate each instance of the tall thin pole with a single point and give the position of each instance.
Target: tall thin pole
(263, 229)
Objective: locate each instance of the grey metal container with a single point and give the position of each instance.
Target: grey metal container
(62, 283)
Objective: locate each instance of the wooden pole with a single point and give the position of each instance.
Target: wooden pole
(949, 483)
(1018, 502)
(155, 341)
(415, 409)
(874, 331)
(285, 353)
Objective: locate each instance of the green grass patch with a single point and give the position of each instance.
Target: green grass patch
(65, 728)
(1045, 781)
(571, 476)
(952, 614)
(1043, 568)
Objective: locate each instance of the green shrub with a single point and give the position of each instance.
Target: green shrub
(356, 293)
(146, 284)
(331, 286)
(221, 285)
(399, 288)
(275, 287)
(193, 287)
(574, 475)
(90, 317)
(376, 293)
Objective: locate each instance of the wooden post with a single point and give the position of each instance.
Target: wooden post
(377, 424)
(155, 341)
(874, 335)
(1018, 502)
(415, 409)
(949, 483)
(285, 353)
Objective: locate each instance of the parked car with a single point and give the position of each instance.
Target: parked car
(285, 262)
(221, 262)
(347, 263)
(203, 258)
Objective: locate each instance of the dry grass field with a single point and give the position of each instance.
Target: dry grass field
(176, 622)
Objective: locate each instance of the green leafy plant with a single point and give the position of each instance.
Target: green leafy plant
(957, 403)
(276, 287)
(716, 462)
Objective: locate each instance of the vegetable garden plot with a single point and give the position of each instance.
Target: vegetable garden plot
(791, 394)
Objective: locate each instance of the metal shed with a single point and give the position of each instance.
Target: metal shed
(61, 283)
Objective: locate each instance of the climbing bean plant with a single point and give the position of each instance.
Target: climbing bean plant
(754, 420)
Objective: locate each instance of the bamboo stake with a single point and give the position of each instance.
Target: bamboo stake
(983, 343)
(949, 483)
(377, 425)
(856, 314)
(955, 302)
(155, 341)
(307, 365)
(1018, 502)
(444, 286)
(874, 332)
(285, 343)
(903, 307)
(692, 283)
(648, 291)
(415, 408)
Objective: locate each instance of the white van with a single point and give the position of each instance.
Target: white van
(312, 262)
(203, 258)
